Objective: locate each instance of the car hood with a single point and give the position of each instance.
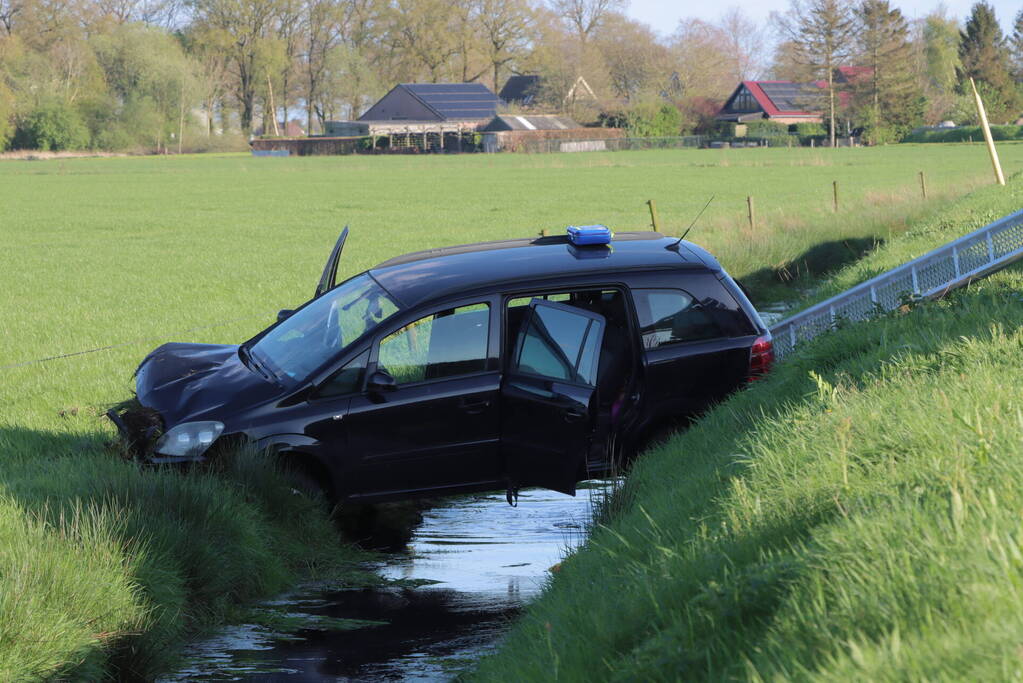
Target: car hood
(186, 382)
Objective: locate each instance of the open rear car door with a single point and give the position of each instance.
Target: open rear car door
(329, 277)
(547, 396)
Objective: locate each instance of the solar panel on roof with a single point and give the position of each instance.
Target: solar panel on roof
(792, 96)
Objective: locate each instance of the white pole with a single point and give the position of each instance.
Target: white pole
(987, 135)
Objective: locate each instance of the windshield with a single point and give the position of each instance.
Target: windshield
(316, 333)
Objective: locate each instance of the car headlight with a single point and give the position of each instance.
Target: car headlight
(189, 438)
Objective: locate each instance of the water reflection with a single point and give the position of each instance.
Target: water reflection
(486, 560)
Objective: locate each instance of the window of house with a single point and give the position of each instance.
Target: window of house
(444, 344)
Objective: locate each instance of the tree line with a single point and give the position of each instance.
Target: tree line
(198, 74)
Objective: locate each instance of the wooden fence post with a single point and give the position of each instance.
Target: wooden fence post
(923, 185)
(834, 186)
(751, 214)
(653, 215)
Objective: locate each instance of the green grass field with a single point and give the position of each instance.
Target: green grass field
(101, 565)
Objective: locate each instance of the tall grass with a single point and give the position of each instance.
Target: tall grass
(105, 565)
(855, 516)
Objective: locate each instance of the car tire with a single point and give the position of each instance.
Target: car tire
(303, 482)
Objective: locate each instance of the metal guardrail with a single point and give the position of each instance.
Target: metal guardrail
(952, 265)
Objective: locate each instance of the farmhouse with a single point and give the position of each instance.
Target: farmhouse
(781, 101)
(787, 101)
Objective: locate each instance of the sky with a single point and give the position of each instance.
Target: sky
(664, 15)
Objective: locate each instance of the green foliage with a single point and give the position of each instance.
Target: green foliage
(941, 49)
(6, 116)
(763, 128)
(965, 134)
(52, 126)
(888, 101)
(811, 130)
(985, 58)
(653, 120)
(821, 523)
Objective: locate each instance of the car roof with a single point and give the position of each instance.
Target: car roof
(435, 273)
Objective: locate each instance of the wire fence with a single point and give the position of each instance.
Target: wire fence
(954, 264)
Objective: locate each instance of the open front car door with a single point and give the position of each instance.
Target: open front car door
(329, 277)
(547, 396)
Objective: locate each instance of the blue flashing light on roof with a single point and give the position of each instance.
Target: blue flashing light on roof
(585, 235)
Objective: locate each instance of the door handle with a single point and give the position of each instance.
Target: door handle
(573, 414)
(474, 407)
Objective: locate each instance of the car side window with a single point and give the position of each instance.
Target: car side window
(560, 345)
(347, 380)
(669, 316)
(443, 344)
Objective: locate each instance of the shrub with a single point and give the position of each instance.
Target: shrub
(6, 116)
(652, 120)
(811, 130)
(52, 126)
(765, 129)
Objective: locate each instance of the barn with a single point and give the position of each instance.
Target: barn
(543, 133)
(434, 102)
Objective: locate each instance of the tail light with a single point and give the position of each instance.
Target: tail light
(761, 357)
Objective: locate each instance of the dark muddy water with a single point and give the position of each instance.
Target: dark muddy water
(484, 561)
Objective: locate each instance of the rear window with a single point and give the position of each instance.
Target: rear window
(672, 316)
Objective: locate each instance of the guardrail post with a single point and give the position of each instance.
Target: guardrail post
(955, 259)
(990, 247)
(916, 282)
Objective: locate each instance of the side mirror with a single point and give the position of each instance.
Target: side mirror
(284, 314)
(381, 381)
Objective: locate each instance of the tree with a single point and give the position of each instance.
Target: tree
(744, 44)
(249, 25)
(1016, 47)
(985, 58)
(701, 61)
(420, 33)
(821, 36)
(9, 11)
(505, 28)
(888, 97)
(941, 39)
(637, 64)
(151, 78)
(584, 17)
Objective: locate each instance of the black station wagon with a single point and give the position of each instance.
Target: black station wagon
(528, 362)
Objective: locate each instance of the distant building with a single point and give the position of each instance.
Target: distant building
(521, 90)
(504, 122)
(781, 101)
(434, 103)
(787, 101)
(543, 133)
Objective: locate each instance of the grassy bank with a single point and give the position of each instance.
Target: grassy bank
(104, 567)
(855, 516)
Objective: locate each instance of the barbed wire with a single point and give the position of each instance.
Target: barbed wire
(118, 345)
